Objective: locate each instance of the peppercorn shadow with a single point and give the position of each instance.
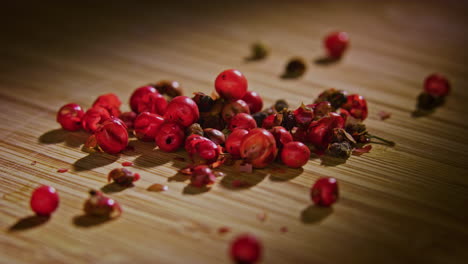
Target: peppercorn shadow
(239, 180)
(114, 187)
(282, 173)
(178, 177)
(329, 161)
(192, 190)
(94, 160)
(153, 158)
(313, 214)
(90, 221)
(71, 139)
(326, 60)
(28, 223)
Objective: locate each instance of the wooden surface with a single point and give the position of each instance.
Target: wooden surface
(398, 205)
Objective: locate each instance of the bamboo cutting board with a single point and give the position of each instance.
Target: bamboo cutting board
(398, 205)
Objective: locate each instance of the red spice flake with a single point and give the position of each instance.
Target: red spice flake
(360, 151)
(284, 229)
(239, 184)
(179, 159)
(157, 187)
(262, 216)
(127, 163)
(33, 162)
(384, 115)
(62, 170)
(136, 177)
(91, 142)
(223, 230)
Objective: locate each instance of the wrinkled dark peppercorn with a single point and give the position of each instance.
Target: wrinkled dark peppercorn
(280, 105)
(340, 150)
(336, 98)
(296, 67)
(203, 101)
(259, 117)
(289, 121)
(259, 51)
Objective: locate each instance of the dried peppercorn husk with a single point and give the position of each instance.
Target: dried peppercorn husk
(359, 132)
(336, 97)
(122, 176)
(340, 135)
(289, 120)
(194, 128)
(169, 88)
(340, 150)
(296, 67)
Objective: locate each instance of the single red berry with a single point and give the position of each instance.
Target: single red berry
(128, 118)
(282, 136)
(231, 85)
(233, 108)
(437, 85)
(254, 101)
(44, 200)
(136, 96)
(170, 137)
(242, 120)
(258, 147)
(234, 140)
(182, 110)
(336, 44)
(246, 249)
(69, 116)
(94, 117)
(202, 176)
(295, 154)
(112, 136)
(122, 176)
(147, 126)
(201, 150)
(269, 122)
(324, 192)
(101, 206)
(356, 105)
(320, 132)
(215, 135)
(110, 102)
(152, 102)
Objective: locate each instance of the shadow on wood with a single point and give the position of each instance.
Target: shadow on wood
(192, 190)
(283, 173)
(94, 160)
(53, 136)
(90, 221)
(114, 187)
(240, 180)
(326, 60)
(178, 177)
(315, 214)
(152, 158)
(331, 161)
(28, 223)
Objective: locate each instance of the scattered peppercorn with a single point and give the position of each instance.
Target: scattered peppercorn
(259, 51)
(296, 67)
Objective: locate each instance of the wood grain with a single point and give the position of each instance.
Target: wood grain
(398, 205)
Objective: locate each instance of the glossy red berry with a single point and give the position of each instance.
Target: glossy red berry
(269, 122)
(147, 126)
(101, 206)
(300, 134)
(282, 136)
(201, 150)
(324, 192)
(233, 108)
(152, 102)
(295, 154)
(170, 137)
(182, 110)
(202, 176)
(112, 136)
(231, 85)
(128, 118)
(94, 117)
(246, 249)
(111, 102)
(437, 85)
(69, 116)
(242, 120)
(136, 96)
(320, 132)
(44, 200)
(254, 101)
(336, 44)
(234, 140)
(258, 148)
(356, 105)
